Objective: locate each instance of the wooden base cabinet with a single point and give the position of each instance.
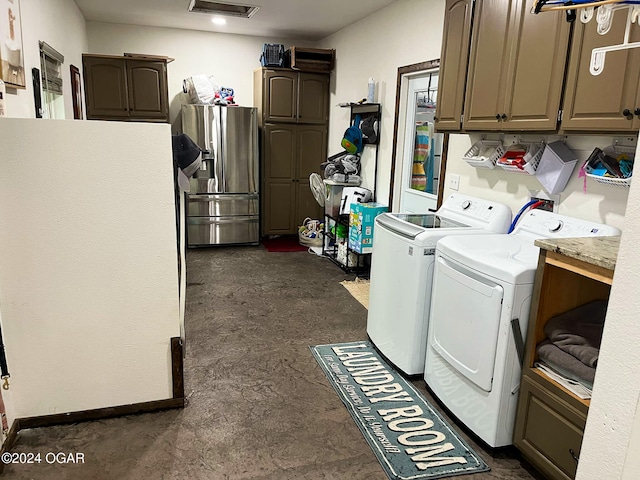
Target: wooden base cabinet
(550, 420)
(125, 88)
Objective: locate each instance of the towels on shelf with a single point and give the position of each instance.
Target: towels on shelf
(579, 331)
(573, 343)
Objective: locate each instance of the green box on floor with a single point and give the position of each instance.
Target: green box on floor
(361, 223)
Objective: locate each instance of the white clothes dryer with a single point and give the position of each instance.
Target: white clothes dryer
(481, 296)
(402, 270)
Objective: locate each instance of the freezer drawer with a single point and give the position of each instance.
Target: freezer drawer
(222, 230)
(216, 205)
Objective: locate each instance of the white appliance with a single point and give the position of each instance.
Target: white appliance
(402, 270)
(481, 284)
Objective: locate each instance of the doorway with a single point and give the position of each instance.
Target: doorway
(418, 160)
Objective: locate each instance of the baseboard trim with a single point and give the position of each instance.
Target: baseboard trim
(177, 401)
(99, 413)
(10, 441)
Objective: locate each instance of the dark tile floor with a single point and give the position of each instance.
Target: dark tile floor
(258, 407)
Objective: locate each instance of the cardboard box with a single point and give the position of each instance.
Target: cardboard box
(361, 223)
(555, 168)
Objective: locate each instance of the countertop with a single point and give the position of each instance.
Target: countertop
(601, 251)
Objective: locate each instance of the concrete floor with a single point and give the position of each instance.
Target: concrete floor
(258, 405)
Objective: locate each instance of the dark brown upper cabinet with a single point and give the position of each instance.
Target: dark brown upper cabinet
(453, 64)
(516, 68)
(598, 103)
(295, 97)
(125, 88)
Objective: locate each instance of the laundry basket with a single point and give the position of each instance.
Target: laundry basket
(310, 233)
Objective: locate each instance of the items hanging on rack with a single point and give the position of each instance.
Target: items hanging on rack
(423, 158)
(603, 11)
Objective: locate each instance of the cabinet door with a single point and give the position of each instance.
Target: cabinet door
(488, 64)
(313, 98)
(281, 96)
(597, 102)
(548, 431)
(105, 86)
(453, 64)
(311, 152)
(279, 156)
(540, 45)
(148, 97)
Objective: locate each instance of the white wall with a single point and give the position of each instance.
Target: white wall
(404, 33)
(231, 59)
(612, 434)
(60, 24)
(601, 203)
(88, 263)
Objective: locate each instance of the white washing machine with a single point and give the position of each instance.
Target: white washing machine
(481, 284)
(402, 270)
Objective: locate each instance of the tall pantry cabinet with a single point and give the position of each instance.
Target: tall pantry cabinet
(293, 110)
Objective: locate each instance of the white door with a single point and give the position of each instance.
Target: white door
(422, 148)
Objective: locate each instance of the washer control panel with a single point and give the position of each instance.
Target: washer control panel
(477, 212)
(551, 225)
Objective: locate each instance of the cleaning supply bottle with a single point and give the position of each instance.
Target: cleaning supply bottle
(3, 94)
(371, 90)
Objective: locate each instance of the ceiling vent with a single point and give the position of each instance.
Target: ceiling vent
(220, 8)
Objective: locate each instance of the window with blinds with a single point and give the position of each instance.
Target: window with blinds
(51, 70)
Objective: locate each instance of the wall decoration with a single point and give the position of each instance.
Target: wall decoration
(76, 91)
(11, 54)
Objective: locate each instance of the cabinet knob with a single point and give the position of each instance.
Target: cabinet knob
(504, 116)
(637, 111)
(436, 118)
(627, 113)
(498, 116)
(573, 454)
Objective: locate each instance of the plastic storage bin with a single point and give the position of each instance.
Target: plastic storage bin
(556, 164)
(484, 153)
(333, 197)
(614, 151)
(533, 153)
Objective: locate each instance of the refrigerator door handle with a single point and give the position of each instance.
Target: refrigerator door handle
(223, 146)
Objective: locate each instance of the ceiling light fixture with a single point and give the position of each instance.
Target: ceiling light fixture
(220, 8)
(218, 20)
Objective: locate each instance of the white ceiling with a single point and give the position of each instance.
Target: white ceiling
(287, 19)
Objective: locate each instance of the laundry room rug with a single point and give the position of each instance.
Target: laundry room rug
(359, 289)
(283, 244)
(408, 436)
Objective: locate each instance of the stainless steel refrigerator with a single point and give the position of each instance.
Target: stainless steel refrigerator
(223, 202)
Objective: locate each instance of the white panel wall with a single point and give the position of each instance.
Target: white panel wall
(404, 33)
(60, 24)
(612, 434)
(231, 59)
(88, 263)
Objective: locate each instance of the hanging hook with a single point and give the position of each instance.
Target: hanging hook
(5, 385)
